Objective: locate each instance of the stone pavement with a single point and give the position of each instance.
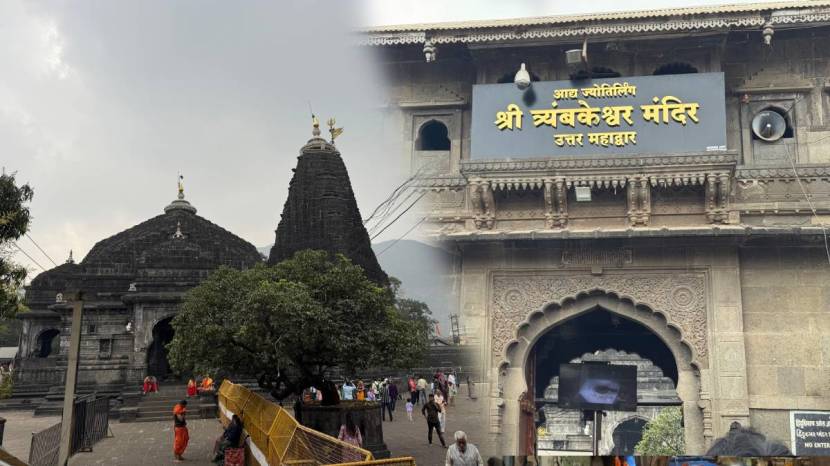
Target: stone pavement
(17, 438)
(146, 443)
(150, 443)
(405, 438)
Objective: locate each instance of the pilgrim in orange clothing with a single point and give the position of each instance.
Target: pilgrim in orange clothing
(181, 435)
(191, 388)
(207, 384)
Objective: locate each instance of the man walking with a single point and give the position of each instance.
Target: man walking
(462, 454)
(430, 411)
(413, 390)
(422, 390)
(385, 401)
(393, 394)
(181, 435)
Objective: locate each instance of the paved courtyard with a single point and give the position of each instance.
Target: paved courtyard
(146, 443)
(405, 438)
(20, 425)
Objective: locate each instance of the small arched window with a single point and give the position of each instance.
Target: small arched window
(675, 68)
(433, 135)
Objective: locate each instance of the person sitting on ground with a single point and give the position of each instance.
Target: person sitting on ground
(207, 384)
(229, 439)
(744, 441)
(148, 385)
(350, 432)
(191, 388)
(461, 453)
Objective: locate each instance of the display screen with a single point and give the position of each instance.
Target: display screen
(598, 386)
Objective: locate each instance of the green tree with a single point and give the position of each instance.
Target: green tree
(663, 435)
(291, 324)
(14, 222)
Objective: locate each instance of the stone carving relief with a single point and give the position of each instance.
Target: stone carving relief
(680, 298)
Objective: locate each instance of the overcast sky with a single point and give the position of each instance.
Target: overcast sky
(102, 103)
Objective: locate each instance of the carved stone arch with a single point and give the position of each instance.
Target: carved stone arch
(165, 316)
(515, 353)
(538, 322)
(679, 299)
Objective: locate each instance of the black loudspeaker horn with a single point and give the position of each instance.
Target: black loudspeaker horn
(769, 125)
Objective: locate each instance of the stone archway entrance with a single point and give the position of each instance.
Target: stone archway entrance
(511, 370)
(599, 337)
(157, 364)
(626, 435)
(48, 343)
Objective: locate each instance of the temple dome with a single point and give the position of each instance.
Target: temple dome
(174, 244)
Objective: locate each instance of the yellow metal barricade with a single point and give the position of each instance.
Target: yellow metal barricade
(402, 461)
(282, 441)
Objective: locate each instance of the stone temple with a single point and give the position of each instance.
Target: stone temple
(132, 282)
(655, 183)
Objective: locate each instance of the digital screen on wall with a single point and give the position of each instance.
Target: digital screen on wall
(637, 115)
(598, 387)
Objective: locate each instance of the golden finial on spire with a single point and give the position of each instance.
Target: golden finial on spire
(334, 131)
(315, 123)
(181, 186)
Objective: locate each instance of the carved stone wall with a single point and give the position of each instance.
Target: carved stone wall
(680, 298)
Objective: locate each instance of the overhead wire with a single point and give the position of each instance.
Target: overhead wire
(40, 249)
(27, 255)
(400, 215)
(391, 211)
(801, 184)
(402, 236)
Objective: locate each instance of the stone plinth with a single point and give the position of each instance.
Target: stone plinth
(366, 414)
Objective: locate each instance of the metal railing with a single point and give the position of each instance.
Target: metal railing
(90, 423)
(277, 439)
(45, 446)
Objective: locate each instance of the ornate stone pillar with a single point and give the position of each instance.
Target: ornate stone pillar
(556, 203)
(717, 197)
(483, 204)
(639, 201)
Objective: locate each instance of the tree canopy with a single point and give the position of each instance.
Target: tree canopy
(14, 223)
(663, 435)
(291, 323)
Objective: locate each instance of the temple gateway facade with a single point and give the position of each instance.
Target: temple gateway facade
(645, 188)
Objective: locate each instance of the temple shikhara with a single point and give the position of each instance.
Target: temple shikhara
(637, 188)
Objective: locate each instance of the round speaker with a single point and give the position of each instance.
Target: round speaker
(769, 125)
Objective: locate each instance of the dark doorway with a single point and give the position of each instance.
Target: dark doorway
(627, 435)
(157, 364)
(597, 330)
(48, 343)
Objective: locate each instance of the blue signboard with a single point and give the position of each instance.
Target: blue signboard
(670, 114)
